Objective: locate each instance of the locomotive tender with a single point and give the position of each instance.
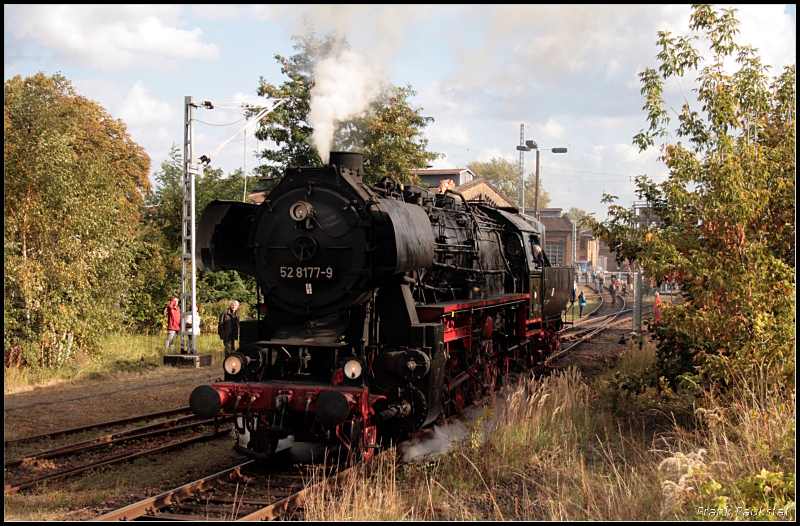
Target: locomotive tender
(390, 306)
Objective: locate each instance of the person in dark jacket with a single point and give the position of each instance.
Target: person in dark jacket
(538, 259)
(173, 314)
(229, 327)
(613, 290)
(581, 303)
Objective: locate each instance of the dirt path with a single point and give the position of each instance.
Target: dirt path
(62, 393)
(61, 406)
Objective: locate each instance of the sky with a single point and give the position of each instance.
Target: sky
(566, 73)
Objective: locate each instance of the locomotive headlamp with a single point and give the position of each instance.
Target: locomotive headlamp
(352, 369)
(300, 211)
(233, 364)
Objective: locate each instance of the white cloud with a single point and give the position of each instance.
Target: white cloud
(774, 33)
(109, 37)
(140, 109)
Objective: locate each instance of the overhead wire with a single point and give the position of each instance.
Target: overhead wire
(228, 124)
(568, 150)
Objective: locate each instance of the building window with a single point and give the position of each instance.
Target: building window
(555, 253)
(583, 243)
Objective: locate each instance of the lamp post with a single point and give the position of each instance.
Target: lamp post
(522, 148)
(554, 150)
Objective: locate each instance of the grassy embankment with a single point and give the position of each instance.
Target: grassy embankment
(563, 448)
(122, 354)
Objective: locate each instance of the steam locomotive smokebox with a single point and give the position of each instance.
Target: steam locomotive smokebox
(352, 160)
(188, 360)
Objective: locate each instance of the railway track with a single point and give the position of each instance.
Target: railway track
(246, 492)
(33, 468)
(243, 492)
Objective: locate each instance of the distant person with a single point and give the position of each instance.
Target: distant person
(612, 288)
(193, 328)
(657, 309)
(581, 303)
(173, 314)
(538, 260)
(229, 327)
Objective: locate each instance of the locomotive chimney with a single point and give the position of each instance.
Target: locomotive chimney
(352, 160)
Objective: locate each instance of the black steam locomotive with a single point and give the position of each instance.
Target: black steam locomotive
(385, 307)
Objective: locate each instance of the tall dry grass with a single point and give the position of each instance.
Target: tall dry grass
(544, 456)
(742, 457)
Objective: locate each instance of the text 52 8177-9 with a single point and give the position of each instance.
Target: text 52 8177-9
(306, 272)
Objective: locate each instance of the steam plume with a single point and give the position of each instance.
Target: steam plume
(344, 87)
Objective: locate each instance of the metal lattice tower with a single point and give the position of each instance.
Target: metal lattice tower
(521, 196)
(574, 242)
(188, 267)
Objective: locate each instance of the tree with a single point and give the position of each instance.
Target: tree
(582, 217)
(74, 183)
(390, 135)
(288, 125)
(157, 269)
(504, 174)
(728, 232)
(394, 143)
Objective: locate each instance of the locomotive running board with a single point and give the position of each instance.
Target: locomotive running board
(432, 311)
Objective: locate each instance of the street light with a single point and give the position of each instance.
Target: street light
(554, 150)
(529, 145)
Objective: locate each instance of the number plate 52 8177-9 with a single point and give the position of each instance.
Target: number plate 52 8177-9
(306, 272)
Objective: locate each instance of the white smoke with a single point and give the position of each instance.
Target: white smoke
(344, 86)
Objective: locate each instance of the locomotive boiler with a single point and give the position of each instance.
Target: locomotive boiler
(382, 307)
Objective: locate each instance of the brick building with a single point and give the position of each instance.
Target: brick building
(481, 190)
(433, 177)
(560, 230)
(588, 247)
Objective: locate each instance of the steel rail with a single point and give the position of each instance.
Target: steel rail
(8, 489)
(594, 332)
(169, 497)
(73, 430)
(291, 502)
(108, 440)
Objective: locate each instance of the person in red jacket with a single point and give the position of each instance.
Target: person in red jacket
(657, 304)
(173, 314)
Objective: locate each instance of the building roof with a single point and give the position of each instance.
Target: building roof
(556, 224)
(481, 189)
(550, 212)
(439, 171)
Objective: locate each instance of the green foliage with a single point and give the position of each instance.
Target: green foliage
(727, 208)
(157, 269)
(768, 495)
(226, 286)
(504, 175)
(582, 217)
(288, 125)
(155, 279)
(390, 135)
(394, 143)
(74, 184)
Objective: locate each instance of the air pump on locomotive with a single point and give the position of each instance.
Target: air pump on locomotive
(383, 308)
